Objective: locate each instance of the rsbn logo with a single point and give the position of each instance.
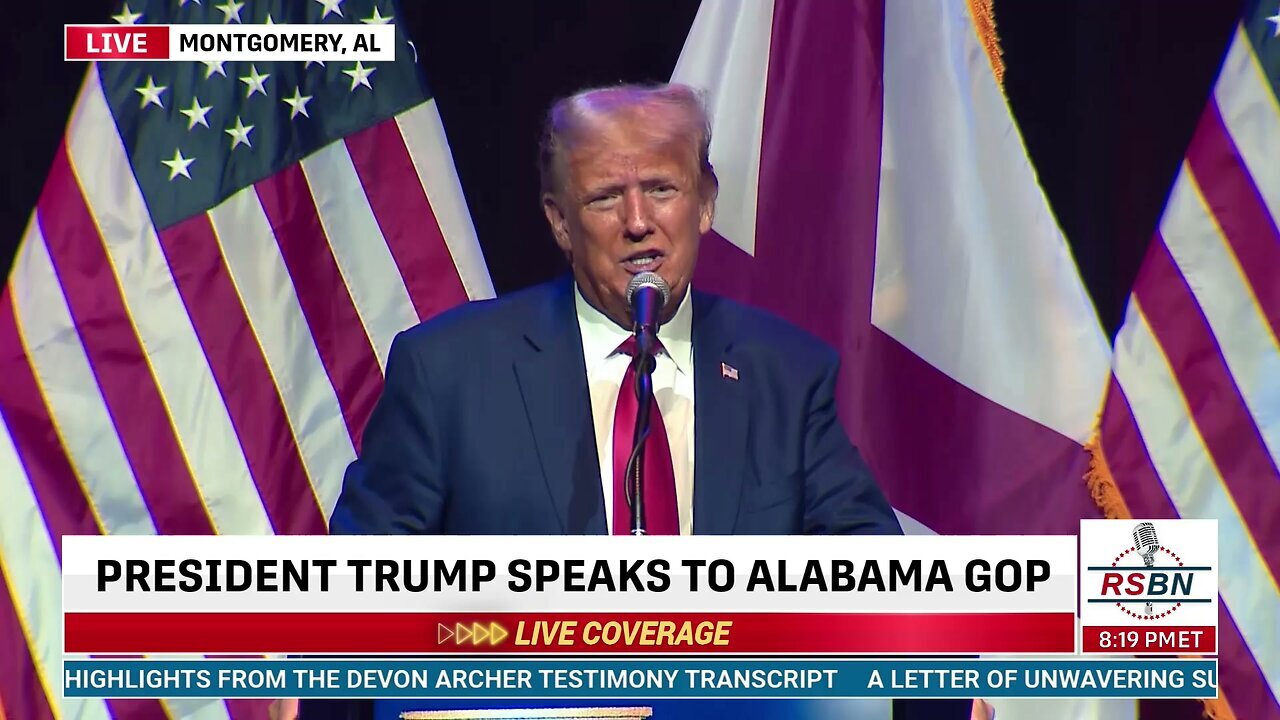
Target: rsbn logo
(1154, 589)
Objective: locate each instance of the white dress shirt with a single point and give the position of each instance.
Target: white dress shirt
(672, 385)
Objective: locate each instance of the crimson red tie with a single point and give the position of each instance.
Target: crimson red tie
(661, 516)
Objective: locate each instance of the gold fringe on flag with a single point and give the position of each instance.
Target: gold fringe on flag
(984, 23)
(1102, 486)
(1104, 491)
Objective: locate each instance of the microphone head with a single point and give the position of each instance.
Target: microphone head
(1144, 538)
(648, 279)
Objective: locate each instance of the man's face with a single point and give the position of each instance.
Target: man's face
(629, 202)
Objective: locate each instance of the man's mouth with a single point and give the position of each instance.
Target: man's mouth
(647, 261)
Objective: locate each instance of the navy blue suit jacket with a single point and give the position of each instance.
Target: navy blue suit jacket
(484, 427)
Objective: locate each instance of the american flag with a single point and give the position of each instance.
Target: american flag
(1191, 423)
(194, 330)
(729, 371)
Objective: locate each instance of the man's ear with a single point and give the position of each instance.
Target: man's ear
(557, 220)
(709, 189)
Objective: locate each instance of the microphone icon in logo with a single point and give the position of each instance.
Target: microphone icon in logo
(1145, 542)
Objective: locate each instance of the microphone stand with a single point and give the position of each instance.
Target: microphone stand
(646, 339)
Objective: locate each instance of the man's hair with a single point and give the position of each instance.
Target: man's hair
(675, 110)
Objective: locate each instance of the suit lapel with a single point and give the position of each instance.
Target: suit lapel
(553, 382)
(720, 420)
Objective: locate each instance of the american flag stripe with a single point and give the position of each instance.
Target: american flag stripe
(326, 302)
(173, 352)
(3, 589)
(273, 308)
(20, 689)
(1252, 126)
(1223, 292)
(248, 389)
(1146, 497)
(258, 270)
(400, 205)
(1195, 489)
(1231, 458)
(1240, 211)
(53, 482)
(75, 408)
(60, 497)
(67, 509)
(30, 568)
(380, 299)
(1219, 411)
(35, 445)
(1242, 679)
(138, 411)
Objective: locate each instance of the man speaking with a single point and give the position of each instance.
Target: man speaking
(517, 415)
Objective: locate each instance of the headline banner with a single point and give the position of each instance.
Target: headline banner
(784, 595)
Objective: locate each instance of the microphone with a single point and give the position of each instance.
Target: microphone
(1144, 539)
(647, 294)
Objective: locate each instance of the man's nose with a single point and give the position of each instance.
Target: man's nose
(636, 219)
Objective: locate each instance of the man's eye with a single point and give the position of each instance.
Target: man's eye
(602, 201)
(662, 191)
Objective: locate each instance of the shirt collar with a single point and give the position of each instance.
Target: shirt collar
(602, 336)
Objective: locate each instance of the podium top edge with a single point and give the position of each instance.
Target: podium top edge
(582, 713)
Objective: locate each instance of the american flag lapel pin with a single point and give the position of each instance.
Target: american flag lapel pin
(728, 371)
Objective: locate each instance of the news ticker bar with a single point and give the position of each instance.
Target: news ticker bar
(570, 633)
(640, 679)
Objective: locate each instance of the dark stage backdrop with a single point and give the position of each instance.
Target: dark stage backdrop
(1106, 92)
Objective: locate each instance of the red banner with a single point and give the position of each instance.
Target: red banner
(1154, 640)
(116, 42)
